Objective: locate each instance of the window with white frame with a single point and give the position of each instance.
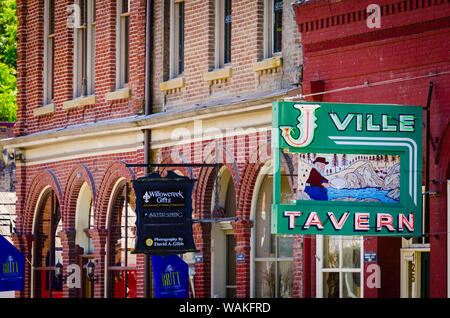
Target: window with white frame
(339, 266)
(176, 38)
(49, 51)
(84, 49)
(122, 43)
(273, 254)
(273, 27)
(223, 33)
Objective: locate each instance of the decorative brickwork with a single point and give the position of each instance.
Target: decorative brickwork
(79, 175)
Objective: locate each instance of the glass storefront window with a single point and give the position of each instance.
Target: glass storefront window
(351, 285)
(331, 257)
(265, 279)
(339, 266)
(351, 253)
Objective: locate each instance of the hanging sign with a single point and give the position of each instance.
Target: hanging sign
(12, 266)
(359, 168)
(170, 277)
(164, 214)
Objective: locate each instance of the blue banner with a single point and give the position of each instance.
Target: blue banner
(12, 263)
(170, 277)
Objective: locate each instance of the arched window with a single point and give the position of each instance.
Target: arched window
(84, 222)
(122, 237)
(48, 248)
(223, 241)
(272, 254)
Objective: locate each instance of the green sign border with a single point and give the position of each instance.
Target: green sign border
(336, 128)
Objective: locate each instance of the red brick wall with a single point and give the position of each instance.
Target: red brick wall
(412, 43)
(58, 175)
(60, 172)
(101, 173)
(246, 49)
(199, 58)
(31, 65)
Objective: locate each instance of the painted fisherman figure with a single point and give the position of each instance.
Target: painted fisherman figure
(316, 184)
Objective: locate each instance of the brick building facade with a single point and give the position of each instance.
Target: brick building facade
(169, 81)
(387, 56)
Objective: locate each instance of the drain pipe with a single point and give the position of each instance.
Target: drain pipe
(148, 82)
(147, 132)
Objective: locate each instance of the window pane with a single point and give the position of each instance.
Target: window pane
(286, 193)
(231, 265)
(129, 234)
(331, 251)
(91, 226)
(285, 246)
(285, 279)
(83, 12)
(92, 84)
(51, 29)
(351, 252)
(126, 49)
(331, 285)
(264, 240)
(265, 280)
(94, 17)
(122, 234)
(83, 62)
(181, 37)
(51, 65)
(227, 33)
(272, 278)
(351, 285)
(125, 6)
(230, 201)
(277, 25)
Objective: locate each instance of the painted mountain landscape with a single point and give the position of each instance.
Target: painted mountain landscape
(344, 177)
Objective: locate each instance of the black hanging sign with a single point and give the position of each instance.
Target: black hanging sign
(164, 214)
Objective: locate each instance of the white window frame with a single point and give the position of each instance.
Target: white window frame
(90, 53)
(219, 47)
(268, 29)
(174, 39)
(121, 75)
(48, 57)
(320, 269)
